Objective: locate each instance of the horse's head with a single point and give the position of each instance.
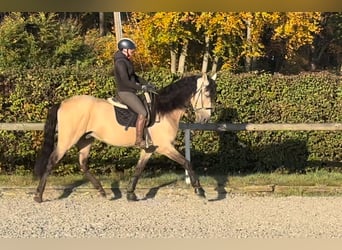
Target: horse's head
(202, 100)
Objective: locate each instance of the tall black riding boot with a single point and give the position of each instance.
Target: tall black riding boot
(140, 125)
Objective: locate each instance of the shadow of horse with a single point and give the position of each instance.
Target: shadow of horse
(67, 191)
(239, 157)
(117, 193)
(153, 191)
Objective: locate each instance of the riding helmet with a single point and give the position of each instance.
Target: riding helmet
(126, 43)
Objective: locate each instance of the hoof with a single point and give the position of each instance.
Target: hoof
(131, 196)
(103, 193)
(200, 192)
(38, 199)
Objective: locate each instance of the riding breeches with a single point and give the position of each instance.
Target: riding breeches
(133, 102)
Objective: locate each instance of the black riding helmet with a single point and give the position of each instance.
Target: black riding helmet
(126, 43)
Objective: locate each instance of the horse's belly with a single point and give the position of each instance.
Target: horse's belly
(115, 135)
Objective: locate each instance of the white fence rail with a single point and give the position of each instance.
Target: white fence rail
(26, 126)
(187, 127)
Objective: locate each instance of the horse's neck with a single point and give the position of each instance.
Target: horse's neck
(173, 117)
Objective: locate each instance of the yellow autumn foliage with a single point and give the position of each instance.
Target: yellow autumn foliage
(233, 35)
(297, 29)
(103, 46)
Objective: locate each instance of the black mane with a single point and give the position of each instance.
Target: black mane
(177, 95)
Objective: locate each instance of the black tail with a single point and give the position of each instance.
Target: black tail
(49, 141)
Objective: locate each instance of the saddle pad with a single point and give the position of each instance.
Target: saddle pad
(125, 117)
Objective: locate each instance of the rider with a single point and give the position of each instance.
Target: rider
(128, 83)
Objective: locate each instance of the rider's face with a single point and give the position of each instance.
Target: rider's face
(129, 53)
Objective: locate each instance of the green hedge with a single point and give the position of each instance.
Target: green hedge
(251, 98)
(315, 97)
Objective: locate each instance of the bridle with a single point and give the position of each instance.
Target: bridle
(199, 94)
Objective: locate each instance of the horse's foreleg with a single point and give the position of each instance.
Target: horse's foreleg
(84, 145)
(53, 160)
(144, 157)
(174, 155)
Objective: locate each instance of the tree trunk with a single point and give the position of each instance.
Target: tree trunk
(317, 53)
(215, 63)
(173, 54)
(206, 55)
(118, 26)
(102, 24)
(248, 59)
(312, 62)
(182, 57)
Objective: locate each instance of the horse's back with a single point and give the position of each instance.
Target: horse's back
(76, 111)
(79, 100)
(82, 103)
(87, 114)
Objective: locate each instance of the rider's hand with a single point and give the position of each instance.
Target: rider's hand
(148, 87)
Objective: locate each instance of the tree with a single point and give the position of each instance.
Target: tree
(160, 31)
(102, 23)
(223, 32)
(327, 46)
(182, 41)
(294, 30)
(234, 38)
(40, 39)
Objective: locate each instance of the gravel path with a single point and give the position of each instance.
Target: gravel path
(168, 213)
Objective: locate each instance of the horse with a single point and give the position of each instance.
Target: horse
(81, 119)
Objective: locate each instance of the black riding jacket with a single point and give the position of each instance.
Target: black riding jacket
(124, 74)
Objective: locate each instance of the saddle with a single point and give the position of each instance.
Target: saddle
(127, 117)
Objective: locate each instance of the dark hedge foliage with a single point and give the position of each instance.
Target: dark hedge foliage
(25, 96)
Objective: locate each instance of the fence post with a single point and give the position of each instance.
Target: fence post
(187, 152)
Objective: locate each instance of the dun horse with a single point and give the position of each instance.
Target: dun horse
(81, 119)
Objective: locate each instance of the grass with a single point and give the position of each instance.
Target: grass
(319, 177)
(314, 178)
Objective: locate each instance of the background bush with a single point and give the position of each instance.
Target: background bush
(251, 98)
(40, 40)
(245, 98)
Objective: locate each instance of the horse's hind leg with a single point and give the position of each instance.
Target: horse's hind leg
(54, 158)
(174, 155)
(144, 157)
(84, 145)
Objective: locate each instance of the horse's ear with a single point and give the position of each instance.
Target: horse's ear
(204, 77)
(214, 77)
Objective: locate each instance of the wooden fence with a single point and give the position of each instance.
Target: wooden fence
(26, 126)
(187, 127)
